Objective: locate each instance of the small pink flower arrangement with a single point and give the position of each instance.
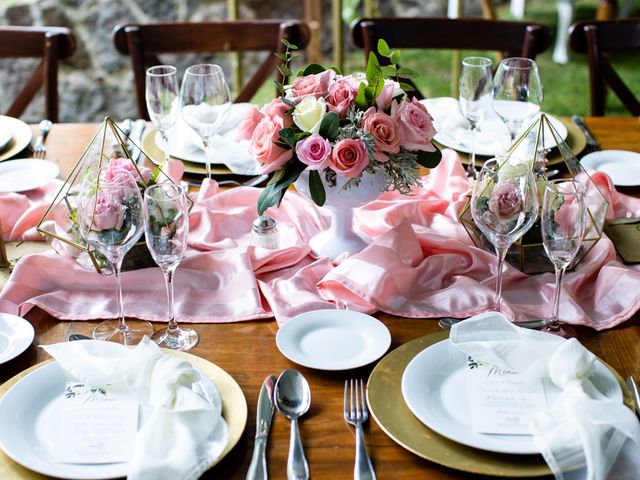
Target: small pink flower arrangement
(332, 124)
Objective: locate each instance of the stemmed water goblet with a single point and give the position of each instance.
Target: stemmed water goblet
(109, 216)
(205, 101)
(476, 91)
(166, 228)
(161, 94)
(517, 92)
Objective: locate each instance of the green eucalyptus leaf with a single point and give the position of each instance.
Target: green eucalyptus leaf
(429, 159)
(337, 70)
(407, 87)
(388, 71)
(287, 102)
(316, 188)
(287, 136)
(361, 99)
(373, 71)
(312, 69)
(407, 72)
(329, 126)
(395, 57)
(282, 56)
(383, 48)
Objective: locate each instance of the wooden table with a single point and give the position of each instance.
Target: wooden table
(248, 352)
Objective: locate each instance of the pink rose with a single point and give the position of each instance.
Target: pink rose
(341, 96)
(383, 101)
(264, 148)
(314, 151)
(415, 125)
(108, 211)
(384, 130)
(505, 200)
(249, 123)
(317, 84)
(349, 157)
(276, 108)
(113, 171)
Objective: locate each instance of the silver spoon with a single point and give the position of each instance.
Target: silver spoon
(292, 398)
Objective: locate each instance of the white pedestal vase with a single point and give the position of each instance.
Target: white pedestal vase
(340, 202)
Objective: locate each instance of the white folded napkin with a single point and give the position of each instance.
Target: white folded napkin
(182, 430)
(584, 434)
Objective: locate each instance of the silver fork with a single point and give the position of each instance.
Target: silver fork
(356, 414)
(39, 149)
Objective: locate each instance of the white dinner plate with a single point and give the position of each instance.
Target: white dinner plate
(333, 339)
(16, 334)
(622, 167)
(434, 388)
(5, 137)
(21, 135)
(492, 137)
(26, 174)
(29, 414)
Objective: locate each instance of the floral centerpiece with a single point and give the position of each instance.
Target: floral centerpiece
(330, 125)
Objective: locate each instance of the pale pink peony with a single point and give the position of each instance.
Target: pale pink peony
(314, 151)
(506, 200)
(317, 84)
(383, 101)
(342, 94)
(249, 124)
(276, 108)
(349, 157)
(385, 131)
(108, 211)
(415, 125)
(263, 147)
(113, 172)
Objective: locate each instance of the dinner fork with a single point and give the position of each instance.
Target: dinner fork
(39, 149)
(356, 414)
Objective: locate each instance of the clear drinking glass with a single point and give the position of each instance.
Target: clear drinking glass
(563, 219)
(205, 101)
(504, 205)
(166, 228)
(476, 92)
(162, 100)
(109, 217)
(517, 92)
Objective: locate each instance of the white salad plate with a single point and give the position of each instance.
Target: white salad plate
(5, 137)
(434, 388)
(16, 334)
(333, 339)
(29, 414)
(492, 137)
(26, 174)
(622, 167)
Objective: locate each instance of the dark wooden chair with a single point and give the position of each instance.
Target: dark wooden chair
(51, 44)
(516, 39)
(600, 39)
(145, 42)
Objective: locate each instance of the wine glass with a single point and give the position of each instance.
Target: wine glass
(166, 228)
(109, 217)
(475, 96)
(563, 219)
(517, 92)
(162, 101)
(504, 205)
(205, 101)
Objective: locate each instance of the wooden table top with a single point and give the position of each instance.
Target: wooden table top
(248, 352)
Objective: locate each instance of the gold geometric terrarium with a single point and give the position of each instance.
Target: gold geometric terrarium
(527, 253)
(58, 224)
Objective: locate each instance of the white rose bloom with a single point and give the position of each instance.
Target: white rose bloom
(308, 114)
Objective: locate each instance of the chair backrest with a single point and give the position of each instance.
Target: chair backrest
(516, 39)
(145, 42)
(598, 39)
(51, 44)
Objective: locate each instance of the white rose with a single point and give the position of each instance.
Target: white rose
(308, 114)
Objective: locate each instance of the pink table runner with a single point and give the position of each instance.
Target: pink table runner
(421, 263)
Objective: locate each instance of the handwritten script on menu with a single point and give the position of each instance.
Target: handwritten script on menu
(97, 424)
(503, 401)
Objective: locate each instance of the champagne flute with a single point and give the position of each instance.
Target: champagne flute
(475, 96)
(161, 95)
(205, 101)
(563, 221)
(517, 92)
(166, 228)
(110, 220)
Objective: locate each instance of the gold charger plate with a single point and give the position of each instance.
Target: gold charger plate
(234, 411)
(21, 136)
(387, 406)
(156, 155)
(576, 141)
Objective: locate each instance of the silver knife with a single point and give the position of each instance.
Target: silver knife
(136, 139)
(633, 386)
(258, 466)
(579, 121)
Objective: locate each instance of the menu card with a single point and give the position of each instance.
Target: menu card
(97, 424)
(502, 401)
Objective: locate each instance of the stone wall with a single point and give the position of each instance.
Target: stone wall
(98, 81)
